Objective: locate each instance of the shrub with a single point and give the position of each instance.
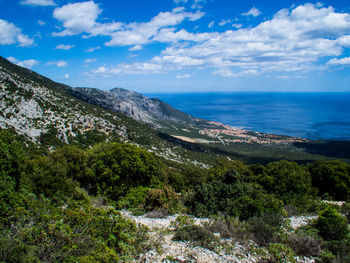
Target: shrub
(181, 221)
(118, 167)
(165, 198)
(240, 199)
(76, 233)
(332, 177)
(135, 198)
(266, 228)
(289, 181)
(325, 257)
(304, 245)
(197, 234)
(331, 225)
(280, 253)
(160, 213)
(229, 227)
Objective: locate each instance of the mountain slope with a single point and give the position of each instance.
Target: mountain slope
(50, 113)
(133, 104)
(33, 105)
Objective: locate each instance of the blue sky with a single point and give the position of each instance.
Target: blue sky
(182, 45)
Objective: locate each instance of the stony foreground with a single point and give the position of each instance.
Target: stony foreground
(183, 251)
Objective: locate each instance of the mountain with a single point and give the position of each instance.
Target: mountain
(152, 111)
(33, 105)
(48, 113)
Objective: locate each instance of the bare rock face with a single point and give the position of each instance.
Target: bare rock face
(134, 105)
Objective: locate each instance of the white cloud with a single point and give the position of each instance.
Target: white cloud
(237, 25)
(24, 63)
(339, 62)
(90, 60)
(180, 1)
(130, 69)
(135, 48)
(184, 76)
(66, 76)
(211, 24)
(252, 12)
(81, 18)
(59, 63)
(41, 22)
(292, 41)
(92, 49)
(135, 34)
(64, 47)
(10, 34)
(38, 2)
(77, 18)
(224, 22)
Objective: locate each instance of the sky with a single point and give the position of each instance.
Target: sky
(157, 46)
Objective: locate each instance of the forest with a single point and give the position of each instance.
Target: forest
(62, 204)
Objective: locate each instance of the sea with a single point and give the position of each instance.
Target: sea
(317, 116)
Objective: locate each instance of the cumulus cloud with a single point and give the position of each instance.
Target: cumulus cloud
(134, 34)
(38, 2)
(77, 18)
(24, 63)
(10, 34)
(252, 12)
(293, 40)
(339, 62)
(82, 17)
(64, 47)
(59, 63)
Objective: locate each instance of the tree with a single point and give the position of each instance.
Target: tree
(118, 167)
(332, 177)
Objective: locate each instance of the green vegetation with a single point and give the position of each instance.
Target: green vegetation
(60, 206)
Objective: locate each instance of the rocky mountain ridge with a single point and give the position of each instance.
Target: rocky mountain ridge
(148, 110)
(32, 105)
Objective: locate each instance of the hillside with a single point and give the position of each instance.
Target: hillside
(134, 105)
(52, 113)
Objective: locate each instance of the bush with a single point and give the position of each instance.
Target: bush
(197, 234)
(135, 198)
(229, 227)
(165, 199)
(331, 225)
(160, 213)
(181, 221)
(117, 168)
(280, 253)
(331, 177)
(76, 233)
(266, 228)
(240, 199)
(304, 245)
(325, 257)
(289, 181)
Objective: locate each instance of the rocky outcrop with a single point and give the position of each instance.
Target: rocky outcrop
(132, 104)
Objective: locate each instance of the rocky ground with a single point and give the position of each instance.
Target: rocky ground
(179, 251)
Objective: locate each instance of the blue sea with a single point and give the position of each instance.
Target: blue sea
(324, 116)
